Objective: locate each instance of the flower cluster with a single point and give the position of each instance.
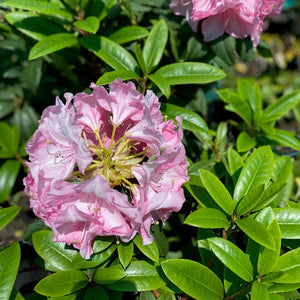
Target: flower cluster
(239, 18)
(105, 164)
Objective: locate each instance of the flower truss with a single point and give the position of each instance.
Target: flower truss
(105, 164)
(239, 18)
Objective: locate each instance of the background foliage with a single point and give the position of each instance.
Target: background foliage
(238, 232)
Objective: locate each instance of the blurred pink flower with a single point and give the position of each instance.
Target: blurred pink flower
(236, 17)
(108, 164)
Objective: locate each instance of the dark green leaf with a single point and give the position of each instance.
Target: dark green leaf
(52, 43)
(109, 275)
(62, 283)
(224, 48)
(257, 171)
(7, 214)
(207, 218)
(194, 279)
(32, 74)
(110, 52)
(245, 142)
(9, 140)
(190, 73)
(162, 84)
(95, 292)
(125, 252)
(109, 77)
(89, 24)
(285, 138)
(139, 276)
(155, 45)
(128, 34)
(6, 107)
(289, 222)
(232, 257)
(151, 250)
(8, 175)
(280, 107)
(217, 191)
(9, 264)
(257, 232)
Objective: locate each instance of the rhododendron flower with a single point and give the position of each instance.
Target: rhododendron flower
(239, 18)
(105, 164)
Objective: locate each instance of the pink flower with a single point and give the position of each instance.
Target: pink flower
(236, 17)
(106, 165)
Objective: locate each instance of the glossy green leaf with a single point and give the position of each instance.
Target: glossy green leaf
(194, 279)
(62, 283)
(155, 45)
(283, 287)
(283, 167)
(8, 175)
(235, 161)
(244, 142)
(285, 138)
(128, 34)
(95, 292)
(257, 232)
(139, 57)
(280, 107)
(48, 8)
(151, 250)
(289, 265)
(190, 73)
(162, 84)
(236, 104)
(9, 264)
(125, 253)
(217, 191)
(207, 218)
(109, 275)
(289, 222)
(123, 74)
(257, 171)
(249, 90)
(110, 52)
(52, 44)
(139, 276)
(251, 199)
(232, 257)
(102, 243)
(259, 291)
(9, 140)
(7, 214)
(89, 24)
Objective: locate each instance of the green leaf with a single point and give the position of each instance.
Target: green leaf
(285, 138)
(245, 142)
(7, 214)
(257, 232)
(194, 279)
(62, 283)
(9, 264)
(235, 161)
(237, 105)
(190, 73)
(128, 34)
(139, 57)
(280, 107)
(217, 191)
(102, 243)
(162, 84)
(250, 200)
(32, 73)
(257, 171)
(232, 257)
(8, 175)
(155, 45)
(224, 48)
(110, 52)
(109, 275)
(109, 77)
(139, 276)
(289, 222)
(95, 292)
(259, 291)
(52, 43)
(207, 218)
(90, 24)
(6, 107)
(283, 287)
(9, 140)
(289, 265)
(125, 252)
(249, 90)
(47, 8)
(151, 250)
